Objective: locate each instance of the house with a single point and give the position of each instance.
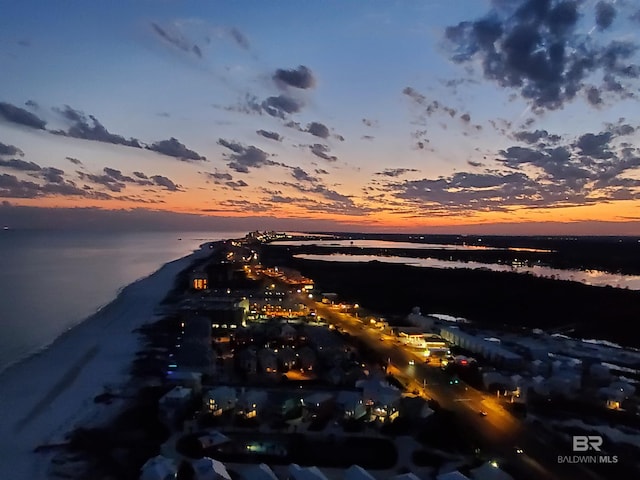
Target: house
(251, 403)
(287, 358)
(296, 472)
(199, 280)
(185, 378)
(220, 399)
(381, 397)
(351, 405)
(356, 472)
(209, 469)
(319, 403)
(159, 468)
(454, 475)
(174, 404)
(247, 360)
(213, 439)
(259, 472)
(267, 360)
(489, 471)
(306, 358)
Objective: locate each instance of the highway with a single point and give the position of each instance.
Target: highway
(499, 432)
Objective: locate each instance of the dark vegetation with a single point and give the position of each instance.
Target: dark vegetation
(489, 298)
(284, 449)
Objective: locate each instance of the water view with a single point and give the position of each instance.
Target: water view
(588, 277)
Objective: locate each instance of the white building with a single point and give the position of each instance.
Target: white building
(159, 468)
(209, 469)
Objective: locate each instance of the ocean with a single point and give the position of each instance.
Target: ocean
(51, 281)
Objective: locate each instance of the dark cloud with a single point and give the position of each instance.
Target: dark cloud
(395, 172)
(414, 95)
(318, 129)
(536, 48)
(177, 39)
(322, 151)
(10, 150)
(595, 146)
(535, 136)
(236, 184)
(605, 14)
(270, 135)
(163, 181)
(475, 164)
(299, 174)
(104, 180)
(173, 148)
(465, 117)
(18, 115)
(89, 128)
(240, 39)
(368, 137)
(369, 122)
(75, 161)
(221, 176)
(301, 77)
(53, 175)
(321, 171)
(17, 164)
(12, 187)
(281, 106)
(117, 175)
(140, 175)
(245, 157)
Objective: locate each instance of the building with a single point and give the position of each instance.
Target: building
(220, 400)
(198, 280)
(296, 472)
(159, 468)
(209, 469)
(174, 404)
(356, 472)
(251, 403)
(492, 351)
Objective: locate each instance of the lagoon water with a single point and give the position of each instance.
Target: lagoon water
(588, 277)
(51, 281)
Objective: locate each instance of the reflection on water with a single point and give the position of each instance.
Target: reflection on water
(589, 277)
(406, 245)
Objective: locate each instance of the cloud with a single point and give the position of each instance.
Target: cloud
(117, 175)
(245, 157)
(596, 146)
(605, 14)
(299, 174)
(270, 135)
(370, 122)
(163, 181)
(368, 137)
(173, 148)
(465, 117)
(537, 49)
(301, 77)
(240, 39)
(281, 106)
(395, 172)
(91, 129)
(236, 184)
(322, 151)
(53, 175)
(321, 171)
(12, 187)
(17, 164)
(535, 136)
(75, 161)
(18, 115)
(10, 150)
(318, 129)
(177, 39)
(140, 175)
(475, 164)
(220, 176)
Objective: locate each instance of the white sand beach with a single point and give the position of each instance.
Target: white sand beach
(47, 395)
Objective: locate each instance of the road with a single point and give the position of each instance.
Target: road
(499, 431)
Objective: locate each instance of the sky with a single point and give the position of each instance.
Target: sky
(492, 116)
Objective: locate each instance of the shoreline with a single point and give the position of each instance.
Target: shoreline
(47, 394)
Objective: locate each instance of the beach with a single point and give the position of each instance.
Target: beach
(49, 394)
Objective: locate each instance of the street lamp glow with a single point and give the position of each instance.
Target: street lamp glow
(311, 295)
